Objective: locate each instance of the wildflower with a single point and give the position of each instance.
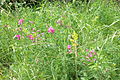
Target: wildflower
(92, 51)
(33, 29)
(20, 21)
(18, 36)
(38, 30)
(87, 50)
(69, 47)
(31, 22)
(90, 55)
(74, 39)
(89, 60)
(38, 35)
(42, 33)
(33, 32)
(95, 53)
(94, 59)
(31, 37)
(75, 35)
(51, 30)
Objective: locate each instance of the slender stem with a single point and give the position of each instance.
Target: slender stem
(76, 60)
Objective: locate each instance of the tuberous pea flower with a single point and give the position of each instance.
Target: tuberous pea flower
(33, 29)
(31, 37)
(31, 22)
(33, 32)
(90, 55)
(51, 30)
(94, 59)
(20, 21)
(38, 30)
(87, 50)
(89, 60)
(18, 36)
(95, 53)
(42, 33)
(92, 51)
(69, 46)
(69, 49)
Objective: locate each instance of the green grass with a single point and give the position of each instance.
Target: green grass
(97, 25)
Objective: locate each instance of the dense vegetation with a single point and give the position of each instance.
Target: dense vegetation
(61, 41)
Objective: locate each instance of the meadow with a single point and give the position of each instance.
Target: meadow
(61, 41)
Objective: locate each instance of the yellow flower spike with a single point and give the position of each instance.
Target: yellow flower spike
(71, 40)
(74, 39)
(75, 35)
(74, 44)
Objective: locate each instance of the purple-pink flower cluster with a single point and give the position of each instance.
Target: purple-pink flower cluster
(91, 56)
(34, 31)
(51, 30)
(18, 36)
(20, 21)
(69, 49)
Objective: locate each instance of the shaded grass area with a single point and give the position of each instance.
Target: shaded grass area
(98, 28)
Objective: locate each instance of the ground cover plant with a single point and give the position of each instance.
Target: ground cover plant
(61, 41)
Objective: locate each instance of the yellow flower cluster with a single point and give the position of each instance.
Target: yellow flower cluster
(74, 39)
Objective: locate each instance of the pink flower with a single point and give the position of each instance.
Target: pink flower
(94, 59)
(31, 22)
(33, 32)
(89, 60)
(31, 37)
(20, 21)
(42, 33)
(90, 55)
(38, 30)
(87, 50)
(92, 51)
(51, 30)
(18, 36)
(69, 46)
(33, 29)
(95, 53)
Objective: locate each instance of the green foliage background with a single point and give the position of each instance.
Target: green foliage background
(96, 23)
